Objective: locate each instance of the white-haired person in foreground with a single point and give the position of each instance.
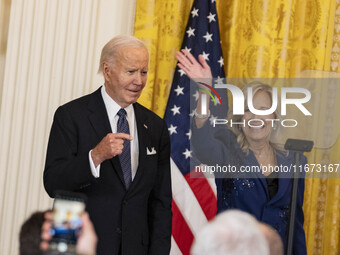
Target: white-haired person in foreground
(273, 239)
(232, 232)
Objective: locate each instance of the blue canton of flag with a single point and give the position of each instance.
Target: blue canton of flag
(201, 37)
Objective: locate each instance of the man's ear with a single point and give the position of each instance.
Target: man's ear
(106, 70)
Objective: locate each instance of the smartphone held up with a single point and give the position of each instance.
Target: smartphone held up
(66, 223)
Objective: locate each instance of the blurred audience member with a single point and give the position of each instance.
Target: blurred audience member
(273, 239)
(30, 232)
(232, 232)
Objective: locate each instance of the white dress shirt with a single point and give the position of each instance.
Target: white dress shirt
(112, 109)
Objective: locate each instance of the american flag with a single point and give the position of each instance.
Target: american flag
(194, 199)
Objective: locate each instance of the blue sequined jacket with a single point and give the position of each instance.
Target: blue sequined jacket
(219, 146)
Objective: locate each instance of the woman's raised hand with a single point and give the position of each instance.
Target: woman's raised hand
(198, 71)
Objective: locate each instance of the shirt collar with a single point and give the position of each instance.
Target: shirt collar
(112, 107)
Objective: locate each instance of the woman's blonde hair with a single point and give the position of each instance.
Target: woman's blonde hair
(236, 129)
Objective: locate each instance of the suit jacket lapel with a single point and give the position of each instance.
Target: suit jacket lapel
(98, 115)
(101, 124)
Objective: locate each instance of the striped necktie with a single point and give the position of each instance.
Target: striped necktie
(125, 157)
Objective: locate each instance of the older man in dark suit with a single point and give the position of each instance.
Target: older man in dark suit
(118, 153)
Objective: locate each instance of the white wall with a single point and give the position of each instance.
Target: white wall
(52, 57)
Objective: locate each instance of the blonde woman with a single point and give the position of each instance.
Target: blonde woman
(266, 194)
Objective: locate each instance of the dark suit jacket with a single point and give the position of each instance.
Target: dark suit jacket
(137, 220)
(251, 194)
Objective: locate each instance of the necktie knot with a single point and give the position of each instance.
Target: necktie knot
(121, 113)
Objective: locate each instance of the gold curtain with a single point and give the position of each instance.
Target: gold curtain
(161, 25)
(260, 38)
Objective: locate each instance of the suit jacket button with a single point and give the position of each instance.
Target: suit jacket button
(118, 230)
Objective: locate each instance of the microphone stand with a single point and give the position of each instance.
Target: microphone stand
(297, 147)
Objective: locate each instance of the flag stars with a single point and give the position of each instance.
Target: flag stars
(179, 90)
(181, 72)
(187, 49)
(205, 55)
(194, 12)
(175, 110)
(219, 80)
(211, 17)
(217, 100)
(208, 37)
(212, 119)
(221, 61)
(190, 32)
(189, 134)
(196, 95)
(187, 154)
(172, 129)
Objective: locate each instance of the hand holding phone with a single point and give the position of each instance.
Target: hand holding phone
(66, 222)
(87, 240)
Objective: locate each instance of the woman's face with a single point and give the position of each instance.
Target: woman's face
(257, 131)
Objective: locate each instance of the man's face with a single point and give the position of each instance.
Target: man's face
(126, 77)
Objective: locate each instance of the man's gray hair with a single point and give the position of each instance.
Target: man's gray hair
(111, 49)
(232, 232)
